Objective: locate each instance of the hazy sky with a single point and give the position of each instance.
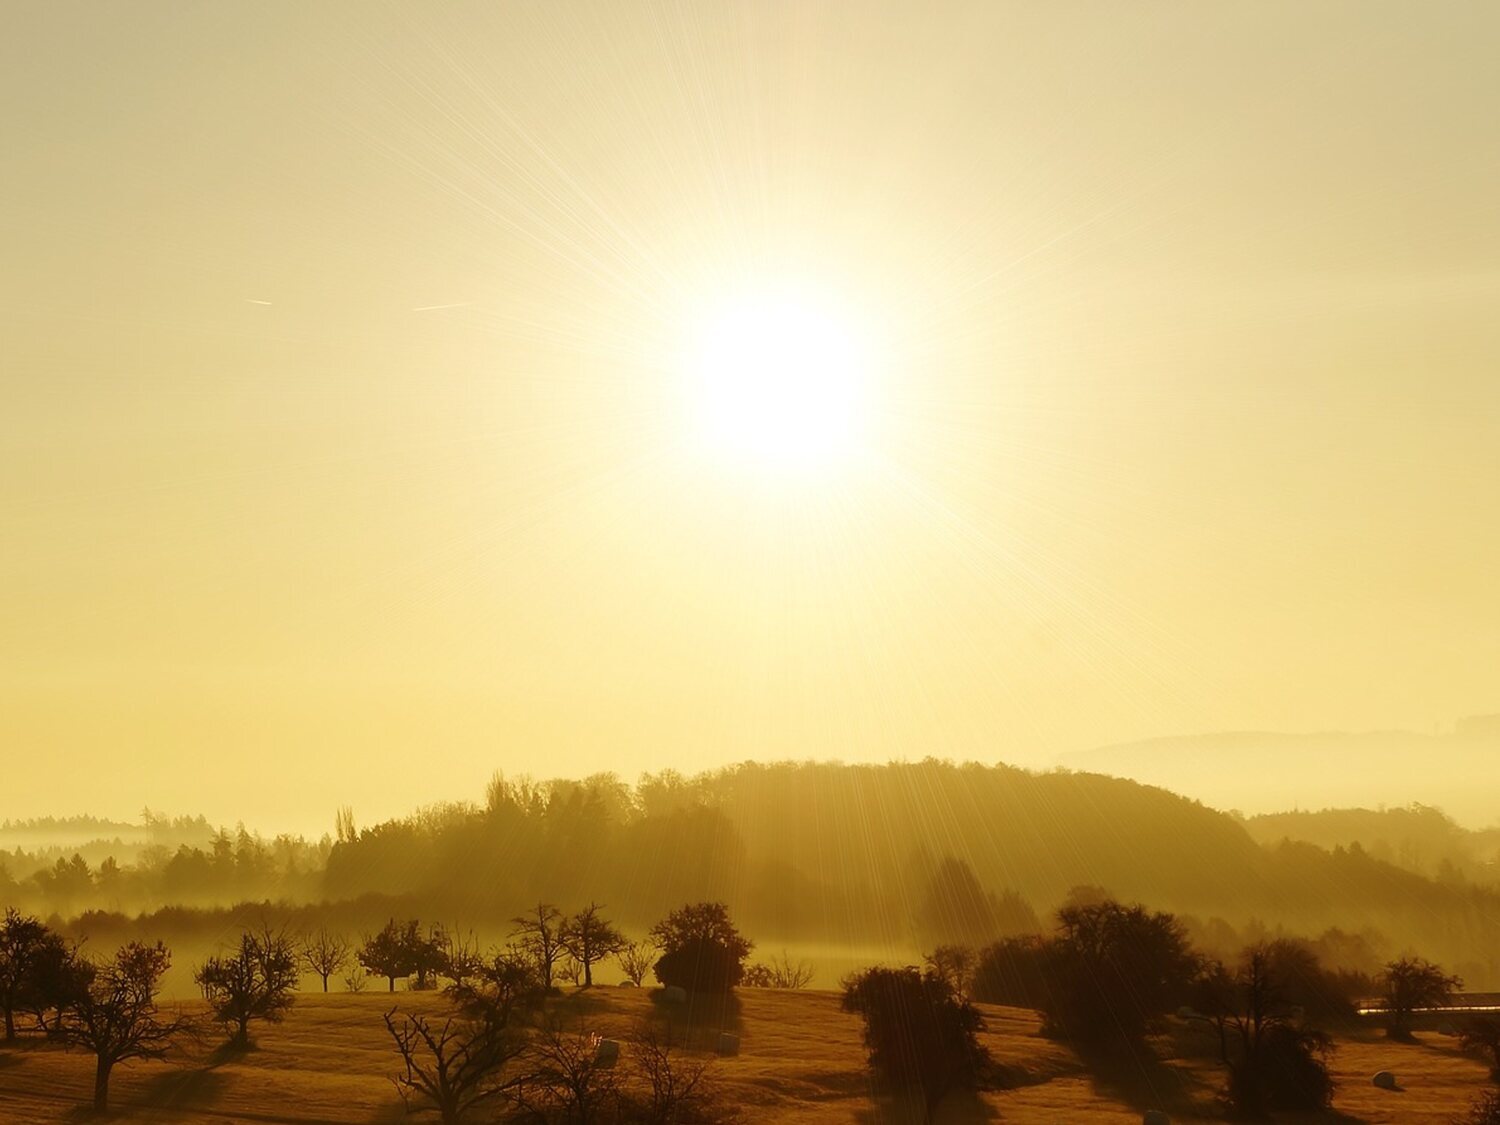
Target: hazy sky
(345, 453)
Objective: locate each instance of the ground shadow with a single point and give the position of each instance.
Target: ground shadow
(962, 1107)
(699, 1019)
(1136, 1075)
(389, 1114)
(231, 1051)
(582, 1002)
(175, 1089)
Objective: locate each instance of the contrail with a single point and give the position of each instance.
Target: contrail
(253, 301)
(434, 308)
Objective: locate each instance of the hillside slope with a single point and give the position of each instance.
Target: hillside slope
(801, 1063)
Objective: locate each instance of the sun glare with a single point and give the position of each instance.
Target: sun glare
(778, 380)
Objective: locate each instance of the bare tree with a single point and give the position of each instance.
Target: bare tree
(589, 938)
(461, 959)
(253, 983)
(568, 1077)
(453, 1066)
(117, 1018)
(635, 959)
(956, 965)
(779, 972)
(324, 953)
(675, 1090)
(538, 933)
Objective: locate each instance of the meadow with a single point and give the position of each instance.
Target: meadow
(801, 1062)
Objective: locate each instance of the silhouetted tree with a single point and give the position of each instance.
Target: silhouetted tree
(55, 979)
(324, 953)
(538, 932)
(1304, 982)
(955, 908)
(588, 938)
(116, 1018)
(1273, 1062)
(702, 950)
(253, 983)
(429, 955)
(500, 988)
(21, 938)
(391, 953)
(1111, 970)
(920, 1035)
(1410, 983)
(454, 1065)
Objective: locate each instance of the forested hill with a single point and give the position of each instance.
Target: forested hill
(897, 856)
(891, 853)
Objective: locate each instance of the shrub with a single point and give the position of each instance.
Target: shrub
(700, 965)
(1483, 1110)
(920, 1035)
(779, 972)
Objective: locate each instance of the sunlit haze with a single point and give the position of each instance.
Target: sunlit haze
(780, 380)
(390, 394)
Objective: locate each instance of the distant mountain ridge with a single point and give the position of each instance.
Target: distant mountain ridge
(1274, 771)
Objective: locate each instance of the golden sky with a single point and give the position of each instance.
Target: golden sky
(347, 451)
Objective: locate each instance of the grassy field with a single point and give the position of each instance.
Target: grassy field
(801, 1063)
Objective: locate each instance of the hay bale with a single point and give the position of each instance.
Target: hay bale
(674, 994)
(627, 984)
(728, 1044)
(1155, 1117)
(1186, 1013)
(608, 1052)
(1385, 1080)
(1447, 1028)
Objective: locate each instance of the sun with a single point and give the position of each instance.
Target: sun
(778, 379)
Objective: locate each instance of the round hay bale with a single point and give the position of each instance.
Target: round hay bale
(608, 1052)
(627, 984)
(1385, 1080)
(729, 1044)
(674, 994)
